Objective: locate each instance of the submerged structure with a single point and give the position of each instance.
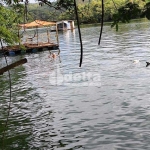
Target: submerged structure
(65, 25)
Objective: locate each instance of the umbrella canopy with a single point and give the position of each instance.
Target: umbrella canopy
(37, 23)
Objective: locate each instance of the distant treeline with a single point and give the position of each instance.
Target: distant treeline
(89, 11)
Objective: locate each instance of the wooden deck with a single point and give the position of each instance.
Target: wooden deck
(29, 47)
(40, 45)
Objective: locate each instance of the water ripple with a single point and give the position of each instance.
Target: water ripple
(113, 115)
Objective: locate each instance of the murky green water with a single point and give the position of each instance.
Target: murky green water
(111, 114)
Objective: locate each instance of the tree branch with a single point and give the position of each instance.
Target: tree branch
(13, 65)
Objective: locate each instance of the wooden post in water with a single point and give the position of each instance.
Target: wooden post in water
(48, 36)
(19, 35)
(63, 25)
(37, 35)
(57, 34)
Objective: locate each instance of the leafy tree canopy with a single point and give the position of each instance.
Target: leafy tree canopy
(7, 32)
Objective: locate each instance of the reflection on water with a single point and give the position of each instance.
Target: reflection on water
(112, 115)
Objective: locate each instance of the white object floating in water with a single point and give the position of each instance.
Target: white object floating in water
(136, 61)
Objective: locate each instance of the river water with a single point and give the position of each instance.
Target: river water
(104, 105)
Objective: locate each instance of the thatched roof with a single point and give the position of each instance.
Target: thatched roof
(37, 23)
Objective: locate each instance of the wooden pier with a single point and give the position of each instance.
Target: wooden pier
(28, 48)
(34, 44)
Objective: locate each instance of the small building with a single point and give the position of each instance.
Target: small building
(65, 25)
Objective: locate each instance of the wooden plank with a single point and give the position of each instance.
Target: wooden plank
(13, 65)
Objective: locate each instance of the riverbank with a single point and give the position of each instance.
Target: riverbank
(109, 23)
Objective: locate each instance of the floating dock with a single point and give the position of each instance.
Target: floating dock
(28, 48)
(33, 44)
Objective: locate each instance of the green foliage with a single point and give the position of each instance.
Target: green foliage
(67, 15)
(42, 13)
(9, 2)
(146, 11)
(19, 12)
(59, 4)
(90, 12)
(131, 11)
(7, 33)
(126, 13)
(67, 4)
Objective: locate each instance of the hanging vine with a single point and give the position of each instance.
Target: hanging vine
(78, 23)
(10, 97)
(102, 22)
